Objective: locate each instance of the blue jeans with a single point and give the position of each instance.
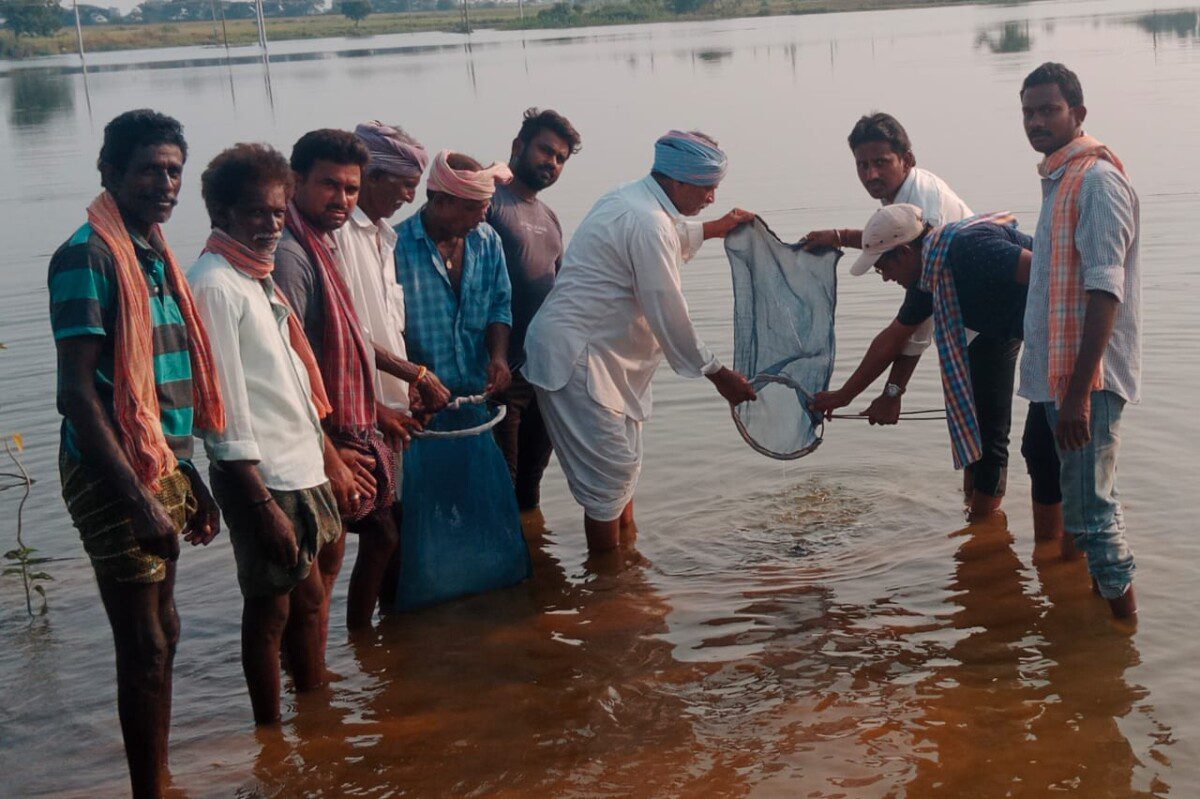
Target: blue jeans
(1091, 509)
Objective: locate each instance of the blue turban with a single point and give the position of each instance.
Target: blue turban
(689, 158)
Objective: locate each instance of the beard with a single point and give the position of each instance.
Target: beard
(534, 178)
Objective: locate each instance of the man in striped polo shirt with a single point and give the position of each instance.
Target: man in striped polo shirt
(133, 379)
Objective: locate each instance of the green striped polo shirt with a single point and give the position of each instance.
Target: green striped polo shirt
(83, 302)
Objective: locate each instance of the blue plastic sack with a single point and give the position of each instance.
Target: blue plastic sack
(461, 532)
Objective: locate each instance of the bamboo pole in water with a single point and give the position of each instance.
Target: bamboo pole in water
(87, 95)
(466, 17)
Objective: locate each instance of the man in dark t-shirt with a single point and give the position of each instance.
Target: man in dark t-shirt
(989, 264)
(533, 249)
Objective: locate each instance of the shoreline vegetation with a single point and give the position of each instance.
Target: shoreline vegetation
(107, 38)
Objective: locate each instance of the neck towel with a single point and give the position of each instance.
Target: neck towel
(392, 150)
(1068, 300)
(259, 267)
(135, 396)
(346, 359)
(951, 336)
(690, 157)
(464, 183)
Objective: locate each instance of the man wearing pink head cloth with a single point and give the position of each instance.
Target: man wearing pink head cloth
(462, 528)
(366, 244)
(616, 310)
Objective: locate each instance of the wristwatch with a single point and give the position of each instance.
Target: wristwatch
(891, 390)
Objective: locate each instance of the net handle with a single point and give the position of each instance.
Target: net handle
(761, 378)
(456, 404)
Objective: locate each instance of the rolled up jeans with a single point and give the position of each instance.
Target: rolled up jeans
(1091, 509)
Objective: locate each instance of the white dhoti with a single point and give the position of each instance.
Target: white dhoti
(599, 450)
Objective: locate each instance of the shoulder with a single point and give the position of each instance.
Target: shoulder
(1104, 180)
(84, 249)
(211, 272)
(485, 238)
(291, 258)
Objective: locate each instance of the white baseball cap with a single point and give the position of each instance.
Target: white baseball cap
(889, 227)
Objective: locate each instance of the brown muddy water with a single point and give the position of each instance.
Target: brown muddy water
(826, 628)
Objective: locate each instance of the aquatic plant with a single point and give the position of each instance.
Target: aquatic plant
(24, 560)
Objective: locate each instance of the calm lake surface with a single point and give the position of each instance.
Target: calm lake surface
(826, 628)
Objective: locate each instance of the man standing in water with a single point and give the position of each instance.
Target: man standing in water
(533, 248)
(887, 168)
(615, 311)
(367, 247)
(328, 168)
(135, 376)
(268, 465)
(970, 279)
(1082, 360)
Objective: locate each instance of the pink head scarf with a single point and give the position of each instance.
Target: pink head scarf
(464, 183)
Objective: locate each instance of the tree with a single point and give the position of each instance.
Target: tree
(32, 17)
(356, 10)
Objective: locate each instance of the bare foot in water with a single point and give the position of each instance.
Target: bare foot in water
(1124, 608)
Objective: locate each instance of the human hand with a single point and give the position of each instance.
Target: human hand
(434, 395)
(203, 525)
(827, 402)
(499, 376)
(153, 529)
(350, 478)
(277, 534)
(733, 386)
(884, 410)
(396, 426)
(720, 228)
(1074, 429)
(821, 240)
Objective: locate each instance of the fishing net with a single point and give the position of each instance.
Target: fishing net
(461, 532)
(783, 310)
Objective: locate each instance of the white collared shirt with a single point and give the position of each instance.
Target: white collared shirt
(618, 302)
(939, 205)
(269, 414)
(368, 265)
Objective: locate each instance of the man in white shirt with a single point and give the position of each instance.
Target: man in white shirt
(269, 465)
(368, 266)
(616, 310)
(887, 167)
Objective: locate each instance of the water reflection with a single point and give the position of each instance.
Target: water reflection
(1184, 23)
(39, 97)
(1012, 37)
(1029, 705)
(541, 690)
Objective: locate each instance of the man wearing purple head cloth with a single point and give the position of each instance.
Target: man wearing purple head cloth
(616, 310)
(367, 246)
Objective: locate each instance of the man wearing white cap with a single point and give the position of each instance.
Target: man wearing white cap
(887, 168)
(970, 278)
(616, 310)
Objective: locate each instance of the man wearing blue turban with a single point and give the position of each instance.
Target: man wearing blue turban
(615, 311)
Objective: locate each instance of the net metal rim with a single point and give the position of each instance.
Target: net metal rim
(758, 382)
(501, 412)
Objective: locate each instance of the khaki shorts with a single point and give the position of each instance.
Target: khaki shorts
(104, 525)
(314, 516)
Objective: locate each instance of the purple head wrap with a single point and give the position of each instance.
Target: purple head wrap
(392, 150)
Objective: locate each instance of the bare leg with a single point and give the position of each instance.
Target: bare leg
(391, 576)
(1047, 521)
(145, 643)
(628, 525)
(263, 622)
(1068, 549)
(302, 635)
(602, 536)
(982, 505)
(1125, 606)
(377, 543)
(329, 563)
